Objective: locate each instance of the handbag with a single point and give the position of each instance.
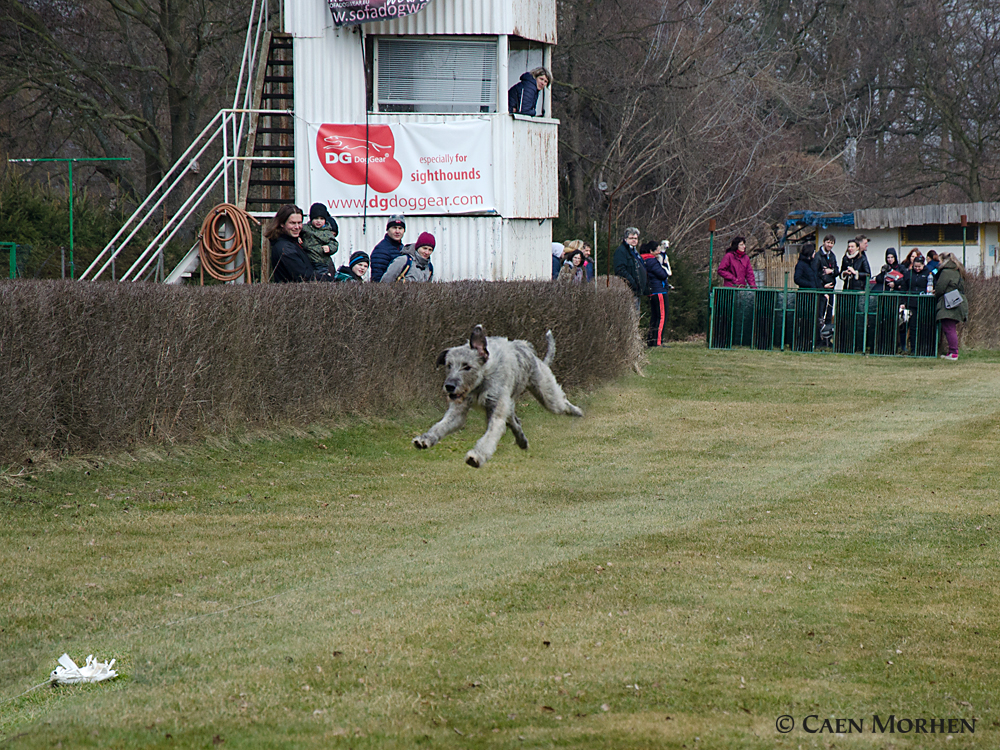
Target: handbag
(952, 299)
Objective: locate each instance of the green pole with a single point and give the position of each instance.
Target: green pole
(12, 254)
(784, 311)
(711, 306)
(72, 267)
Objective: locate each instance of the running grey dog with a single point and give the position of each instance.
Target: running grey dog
(491, 372)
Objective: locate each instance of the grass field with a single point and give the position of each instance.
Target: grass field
(734, 537)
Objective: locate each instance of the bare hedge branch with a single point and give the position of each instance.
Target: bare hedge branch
(98, 366)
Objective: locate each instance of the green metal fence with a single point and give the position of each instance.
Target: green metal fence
(806, 320)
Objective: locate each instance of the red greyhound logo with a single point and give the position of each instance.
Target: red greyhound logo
(342, 150)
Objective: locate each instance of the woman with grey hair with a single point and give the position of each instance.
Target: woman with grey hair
(629, 266)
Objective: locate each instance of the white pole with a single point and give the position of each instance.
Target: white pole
(595, 252)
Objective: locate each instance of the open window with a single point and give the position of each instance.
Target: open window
(447, 76)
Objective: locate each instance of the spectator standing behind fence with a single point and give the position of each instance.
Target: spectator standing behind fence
(915, 282)
(933, 262)
(825, 267)
(289, 261)
(390, 248)
(629, 266)
(854, 268)
(905, 265)
(319, 237)
(951, 279)
(522, 97)
(886, 280)
(355, 269)
(658, 272)
(805, 274)
(735, 268)
(415, 262)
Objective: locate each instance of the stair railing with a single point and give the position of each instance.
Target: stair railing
(231, 126)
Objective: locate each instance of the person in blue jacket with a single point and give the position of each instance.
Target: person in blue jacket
(390, 248)
(658, 275)
(522, 97)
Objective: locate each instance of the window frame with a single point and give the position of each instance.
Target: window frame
(972, 235)
(488, 41)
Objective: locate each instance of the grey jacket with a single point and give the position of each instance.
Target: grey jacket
(419, 269)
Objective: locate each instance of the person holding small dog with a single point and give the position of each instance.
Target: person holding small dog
(658, 271)
(415, 262)
(854, 268)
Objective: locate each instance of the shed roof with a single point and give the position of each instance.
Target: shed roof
(909, 216)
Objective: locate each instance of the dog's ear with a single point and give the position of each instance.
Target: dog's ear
(441, 358)
(478, 342)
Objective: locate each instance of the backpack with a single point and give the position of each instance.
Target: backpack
(409, 264)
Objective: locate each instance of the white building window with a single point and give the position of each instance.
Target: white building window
(435, 75)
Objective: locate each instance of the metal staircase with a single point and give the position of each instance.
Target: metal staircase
(268, 179)
(259, 138)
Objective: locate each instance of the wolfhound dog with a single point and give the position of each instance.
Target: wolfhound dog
(491, 372)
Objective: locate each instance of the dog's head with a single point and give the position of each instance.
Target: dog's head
(465, 365)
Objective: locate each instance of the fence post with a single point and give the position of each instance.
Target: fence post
(784, 311)
(864, 318)
(711, 300)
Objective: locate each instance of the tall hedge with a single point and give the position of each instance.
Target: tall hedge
(101, 366)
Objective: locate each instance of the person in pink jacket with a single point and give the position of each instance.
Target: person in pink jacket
(735, 267)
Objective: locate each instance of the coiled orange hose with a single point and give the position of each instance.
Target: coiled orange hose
(212, 250)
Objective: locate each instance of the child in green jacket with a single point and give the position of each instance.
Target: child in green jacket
(319, 237)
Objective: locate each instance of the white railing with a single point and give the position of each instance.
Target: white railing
(228, 126)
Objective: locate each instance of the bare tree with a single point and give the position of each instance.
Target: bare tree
(103, 77)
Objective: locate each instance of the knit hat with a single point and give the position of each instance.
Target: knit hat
(396, 221)
(425, 238)
(359, 256)
(318, 211)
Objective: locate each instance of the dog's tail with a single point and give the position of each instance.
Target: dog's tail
(551, 353)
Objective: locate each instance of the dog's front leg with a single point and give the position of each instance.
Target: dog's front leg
(453, 419)
(496, 426)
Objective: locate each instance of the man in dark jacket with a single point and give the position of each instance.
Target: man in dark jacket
(628, 264)
(522, 97)
(825, 267)
(390, 248)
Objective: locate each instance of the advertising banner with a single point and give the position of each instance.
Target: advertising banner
(353, 12)
(412, 168)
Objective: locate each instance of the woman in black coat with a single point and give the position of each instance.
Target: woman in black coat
(854, 268)
(289, 260)
(805, 274)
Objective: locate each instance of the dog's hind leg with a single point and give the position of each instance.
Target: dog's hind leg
(496, 426)
(549, 393)
(453, 419)
(515, 426)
